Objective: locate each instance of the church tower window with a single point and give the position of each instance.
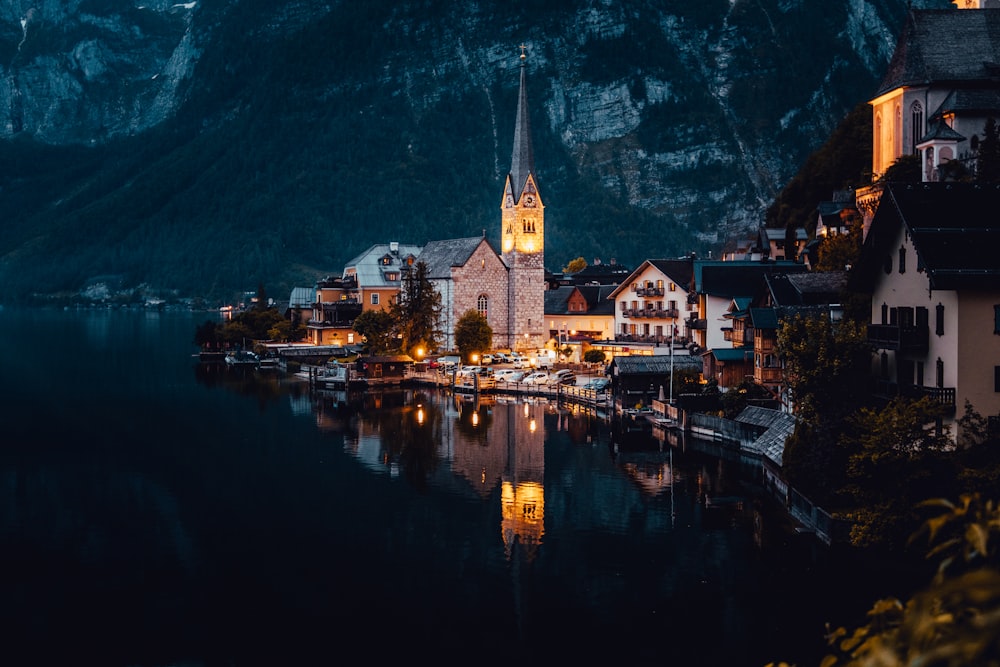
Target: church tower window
(917, 126)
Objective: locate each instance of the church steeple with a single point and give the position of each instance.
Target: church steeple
(522, 161)
(522, 235)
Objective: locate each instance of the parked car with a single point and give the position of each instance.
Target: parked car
(520, 362)
(503, 374)
(489, 358)
(542, 361)
(563, 376)
(515, 376)
(536, 378)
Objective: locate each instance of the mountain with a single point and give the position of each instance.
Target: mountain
(205, 148)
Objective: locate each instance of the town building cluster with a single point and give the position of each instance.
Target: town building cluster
(930, 255)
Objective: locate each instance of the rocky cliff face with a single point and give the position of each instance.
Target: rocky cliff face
(693, 113)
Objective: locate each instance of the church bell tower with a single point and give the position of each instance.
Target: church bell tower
(522, 235)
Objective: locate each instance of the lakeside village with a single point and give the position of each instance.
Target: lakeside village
(858, 364)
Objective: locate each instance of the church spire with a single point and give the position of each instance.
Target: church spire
(522, 161)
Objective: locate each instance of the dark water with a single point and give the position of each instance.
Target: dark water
(155, 511)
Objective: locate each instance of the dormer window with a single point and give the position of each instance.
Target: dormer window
(386, 260)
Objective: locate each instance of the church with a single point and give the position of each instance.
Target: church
(507, 288)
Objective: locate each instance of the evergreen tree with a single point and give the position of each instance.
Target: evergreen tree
(417, 311)
(988, 162)
(378, 329)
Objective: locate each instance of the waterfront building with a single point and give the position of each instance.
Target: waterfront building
(651, 302)
(578, 315)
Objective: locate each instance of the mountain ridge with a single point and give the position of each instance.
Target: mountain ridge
(294, 135)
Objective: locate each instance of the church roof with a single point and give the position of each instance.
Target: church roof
(940, 131)
(953, 227)
(945, 46)
(522, 161)
(441, 256)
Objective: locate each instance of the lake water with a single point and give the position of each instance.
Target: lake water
(156, 511)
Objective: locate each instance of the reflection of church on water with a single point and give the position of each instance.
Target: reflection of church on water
(505, 448)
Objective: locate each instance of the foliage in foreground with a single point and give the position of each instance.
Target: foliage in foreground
(955, 620)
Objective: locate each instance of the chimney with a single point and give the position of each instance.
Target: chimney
(394, 247)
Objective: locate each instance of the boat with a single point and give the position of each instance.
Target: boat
(242, 358)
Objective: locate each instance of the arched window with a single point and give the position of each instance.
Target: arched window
(878, 143)
(483, 305)
(917, 125)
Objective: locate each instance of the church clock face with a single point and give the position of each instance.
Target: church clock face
(529, 201)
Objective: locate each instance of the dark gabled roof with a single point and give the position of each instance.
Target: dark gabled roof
(941, 131)
(953, 226)
(681, 271)
(731, 279)
(966, 101)
(557, 300)
(441, 256)
(597, 299)
(779, 426)
(771, 318)
(602, 274)
(945, 46)
(764, 318)
(731, 354)
(654, 365)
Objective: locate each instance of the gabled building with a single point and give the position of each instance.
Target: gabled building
(651, 302)
(578, 315)
(776, 245)
(931, 265)
(716, 285)
(376, 274)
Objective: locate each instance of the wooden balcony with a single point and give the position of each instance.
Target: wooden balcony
(910, 339)
(887, 390)
(696, 324)
(649, 291)
(772, 375)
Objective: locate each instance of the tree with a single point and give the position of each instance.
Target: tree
(575, 265)
(988, 157)
(472, 334)
(594, 356)
(955, 620)
(378, 329)
(417, 311)
(827, 369)
(906, 169)
(838, 253)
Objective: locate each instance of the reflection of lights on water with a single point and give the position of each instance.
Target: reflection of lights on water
(475, 419)
(532, 426)
(484, 476)
(420, 415)
(526, 410)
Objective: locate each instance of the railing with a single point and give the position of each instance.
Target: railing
(942, 395)
(910, 339)
(695, 323)
(649, 291)
(767, 375)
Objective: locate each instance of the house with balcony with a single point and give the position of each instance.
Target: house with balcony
(651, 303)
(378, 271)
(716, 285)
(930, 263)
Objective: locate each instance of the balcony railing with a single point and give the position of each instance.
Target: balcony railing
(695, 323)
(649, 291)
(943, 395)
(767, 375)
(909, 339)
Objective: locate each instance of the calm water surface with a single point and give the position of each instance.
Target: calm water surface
(154, 511)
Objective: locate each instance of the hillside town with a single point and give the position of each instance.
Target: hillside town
(924, 256)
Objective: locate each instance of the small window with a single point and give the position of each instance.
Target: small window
(885, 313)
(673, 287)
(996, 320)
(483, 305)
(374, 298)
(996, 378)
(902, 260)
(939, 319)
